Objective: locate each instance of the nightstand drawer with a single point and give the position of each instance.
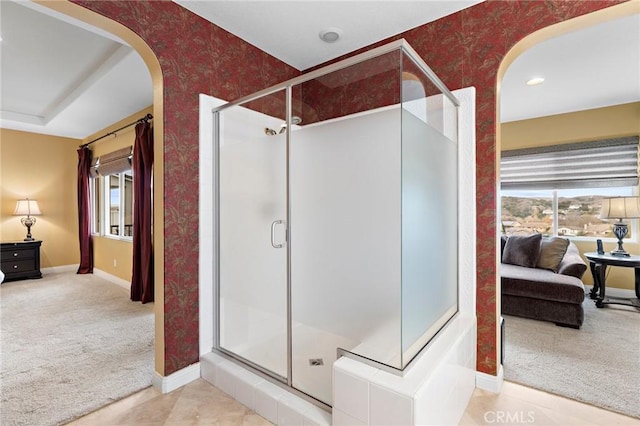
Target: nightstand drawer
(18, 254)
(14, 266)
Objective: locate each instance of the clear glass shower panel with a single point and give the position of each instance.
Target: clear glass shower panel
(253, 233)
(345, 229)
(429, 210)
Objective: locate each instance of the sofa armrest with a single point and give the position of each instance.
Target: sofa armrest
(572, 264)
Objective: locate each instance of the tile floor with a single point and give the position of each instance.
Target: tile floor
(518, 405)
(199, 403)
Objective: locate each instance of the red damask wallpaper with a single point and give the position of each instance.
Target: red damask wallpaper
(464, 49)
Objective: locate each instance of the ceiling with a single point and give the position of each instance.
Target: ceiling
(595, 67)
(59, 76)
(62, 77)
(289, 30)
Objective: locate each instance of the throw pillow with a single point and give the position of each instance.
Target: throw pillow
(552, 251)
(522, 250)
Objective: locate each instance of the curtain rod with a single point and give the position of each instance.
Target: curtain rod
(140, 120)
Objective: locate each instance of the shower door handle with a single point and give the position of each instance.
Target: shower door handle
(273, 233)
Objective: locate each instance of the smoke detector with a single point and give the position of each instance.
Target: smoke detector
(330, 35)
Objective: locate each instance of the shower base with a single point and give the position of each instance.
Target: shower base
(313, 351)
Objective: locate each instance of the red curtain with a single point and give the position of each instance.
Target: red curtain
(84, 212)
(142, 164)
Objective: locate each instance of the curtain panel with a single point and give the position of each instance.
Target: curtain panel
(142, 165)
(84, 211)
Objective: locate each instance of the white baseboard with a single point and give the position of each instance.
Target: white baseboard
(166, 384)
(60, 269)
(112, 278)
(489, 382)
(614, 292)
(97, 272)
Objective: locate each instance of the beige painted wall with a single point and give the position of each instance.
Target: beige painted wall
(599, 123)
(47, 172)
(42, 168)
(589, 125)
(113, 255)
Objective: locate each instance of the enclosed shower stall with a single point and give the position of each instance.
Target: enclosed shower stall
(336, 219)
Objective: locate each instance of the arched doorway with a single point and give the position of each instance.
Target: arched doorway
(617, 12)
(153, 65)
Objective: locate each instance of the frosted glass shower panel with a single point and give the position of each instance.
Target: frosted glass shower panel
(345, 230)
(429, 211)
(252, 233)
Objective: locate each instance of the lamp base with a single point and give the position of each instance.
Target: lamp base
(620, 253)
(620, 230)
(28, 222)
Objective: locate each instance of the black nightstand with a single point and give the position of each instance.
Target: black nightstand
(20, 260)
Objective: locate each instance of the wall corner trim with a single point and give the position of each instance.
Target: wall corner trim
(490, 382)
(615, 292)
(166, 384)
(112, 278)
(61, 269)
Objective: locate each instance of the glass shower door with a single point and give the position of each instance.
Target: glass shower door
(252, 232)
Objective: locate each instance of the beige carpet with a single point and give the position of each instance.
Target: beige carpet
(598, 364)
(69, 345)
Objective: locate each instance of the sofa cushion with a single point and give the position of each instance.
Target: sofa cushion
(503, 242)
(541, 284)
(572, 263)
(565, 314)
(552, 251)
(522, 250)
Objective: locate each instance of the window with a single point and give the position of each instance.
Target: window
(94, 194)
(118, 212)
(558, 190)
(112, 194)
(527, 212)
(568, 212)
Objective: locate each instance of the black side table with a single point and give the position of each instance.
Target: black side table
(598, 264)
(20, 260)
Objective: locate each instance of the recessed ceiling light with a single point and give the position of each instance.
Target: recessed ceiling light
(535, 81)
(330, 35)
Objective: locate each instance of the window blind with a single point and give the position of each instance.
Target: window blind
(93, 170)
(114, 162)
(597, 164)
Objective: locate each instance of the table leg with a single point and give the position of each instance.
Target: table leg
(601, 273)
(593, 294)
(637, 271)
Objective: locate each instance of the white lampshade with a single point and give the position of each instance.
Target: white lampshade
(620, 208)
(27, 207)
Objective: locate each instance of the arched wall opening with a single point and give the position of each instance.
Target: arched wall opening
(186, 56)
(153, 65)
(607, 14)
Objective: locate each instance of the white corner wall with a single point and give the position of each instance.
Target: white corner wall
(206, 223)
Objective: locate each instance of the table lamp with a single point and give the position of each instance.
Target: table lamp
(29, 208)
(620, 208)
